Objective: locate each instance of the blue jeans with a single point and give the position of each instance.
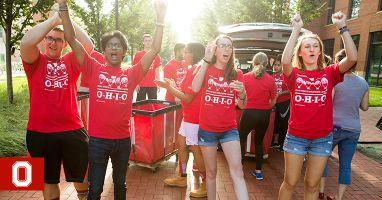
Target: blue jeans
(99, 152)
(347, 144)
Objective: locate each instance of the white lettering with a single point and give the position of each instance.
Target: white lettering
(15, 174)
(99, 94)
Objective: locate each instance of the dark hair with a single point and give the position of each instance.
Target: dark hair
(341, 55)
(178, 47)
(117, 34)
(146, 35)
(197, 50)
(278, 58)
(58, 28)
(230, 72)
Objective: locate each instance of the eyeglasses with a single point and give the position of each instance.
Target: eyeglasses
(224, 46)
(117, 46)
(51, 39)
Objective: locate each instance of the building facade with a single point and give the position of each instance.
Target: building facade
(365, 24)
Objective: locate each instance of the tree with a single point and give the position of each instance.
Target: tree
(96, 22)
(15, 17)
(217, 13)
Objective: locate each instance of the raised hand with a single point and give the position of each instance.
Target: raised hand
(297, 21)
(210, 51)
(160, 9)
(339, 19)
(54, 15)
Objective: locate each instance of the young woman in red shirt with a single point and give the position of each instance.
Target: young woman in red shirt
(310, 83)
(261, 95)
(188, 132)
(220, 84)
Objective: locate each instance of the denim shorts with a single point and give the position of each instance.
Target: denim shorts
(301, 146)
(206, 138)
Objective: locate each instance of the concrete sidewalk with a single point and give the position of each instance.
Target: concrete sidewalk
(369, 119)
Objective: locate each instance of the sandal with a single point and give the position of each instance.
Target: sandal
(330, 198)
(321, 195)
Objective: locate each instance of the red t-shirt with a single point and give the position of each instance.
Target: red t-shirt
(148, 80)
(110, 97)
(190, 110)
(311, 106)
(177, 71)
(217, 108)
(259, 91)
(281, 87)
(98, 57)
(53, 94)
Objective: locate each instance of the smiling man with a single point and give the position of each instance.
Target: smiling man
(55, 130)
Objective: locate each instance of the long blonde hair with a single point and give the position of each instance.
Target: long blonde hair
(259, 62)
(230, 72)
(297, 60)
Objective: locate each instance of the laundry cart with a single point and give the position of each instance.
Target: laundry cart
(154, 131)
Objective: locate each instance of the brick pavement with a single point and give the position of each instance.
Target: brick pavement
(369, 119)
(143, 184)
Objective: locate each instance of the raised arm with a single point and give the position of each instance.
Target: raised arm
(286, 59)
(28, 46)
(345, 64)
(70, 34)
(147, 59)
(83, 38)
(198, 80)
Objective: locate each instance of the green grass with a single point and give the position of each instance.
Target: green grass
(375, 97)
(373, 151)
(13, 118)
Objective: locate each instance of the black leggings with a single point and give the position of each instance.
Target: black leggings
(150, 91)
(258, 120)
(281, 120)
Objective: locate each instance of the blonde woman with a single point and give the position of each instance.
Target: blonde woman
(261, 95)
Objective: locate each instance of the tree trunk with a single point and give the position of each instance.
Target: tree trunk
(8, 53)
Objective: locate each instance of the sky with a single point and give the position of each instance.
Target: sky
(179, 13)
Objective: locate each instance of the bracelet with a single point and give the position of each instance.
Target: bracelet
(159, 24)
(343, 29)
(63, 7)
(205, 60)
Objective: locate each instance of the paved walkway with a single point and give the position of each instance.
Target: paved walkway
(143, 184)
(369, 119)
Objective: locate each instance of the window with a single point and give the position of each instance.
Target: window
(355, 38)
(354, 8)
(328, 47)
(331, 4)
(374, 67)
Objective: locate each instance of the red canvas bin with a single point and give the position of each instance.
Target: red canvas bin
(154, 130)
(250, 144)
